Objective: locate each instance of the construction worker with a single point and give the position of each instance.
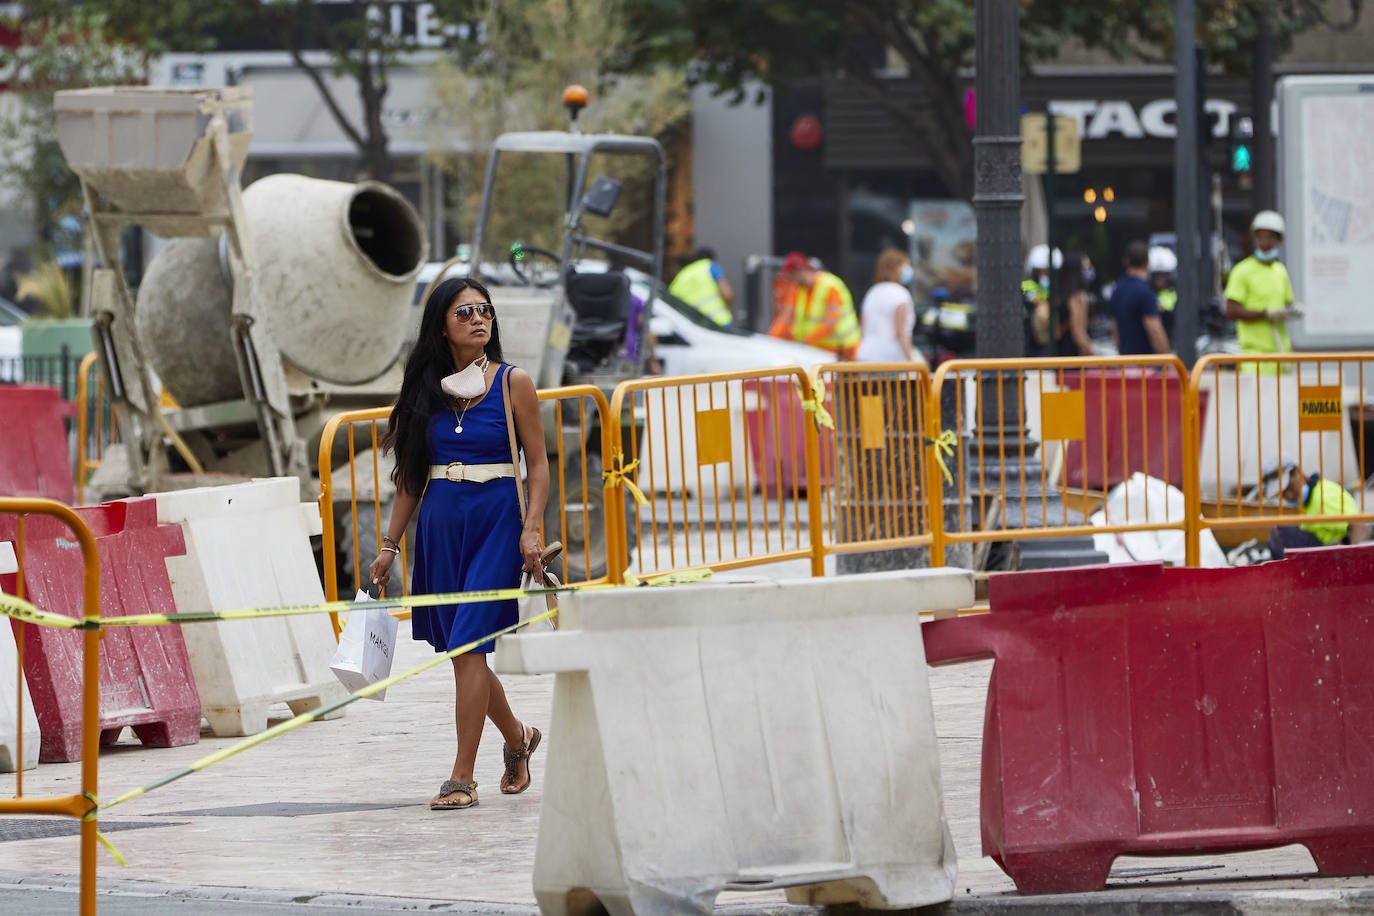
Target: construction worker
(1259, 295)
(702, 285)
(1315, 495)
(1163, 270)
(822, 313)
(1035, 298)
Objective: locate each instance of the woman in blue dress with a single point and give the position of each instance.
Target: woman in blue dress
(453, 461)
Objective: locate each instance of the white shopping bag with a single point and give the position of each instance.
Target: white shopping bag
(366, 646)
(535, 605)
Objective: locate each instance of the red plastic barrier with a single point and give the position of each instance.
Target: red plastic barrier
(145, 673)
(1133, 421)
(34, 459)
(777, 438)
(1148, 711)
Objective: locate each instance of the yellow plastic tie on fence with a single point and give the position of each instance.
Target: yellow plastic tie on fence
(816, 403)
(619, 473)
(944, 447)
(682, 576)
(104, 840)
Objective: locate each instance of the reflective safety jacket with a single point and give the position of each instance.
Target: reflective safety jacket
(1326, 497)
(695, 286)
(824, 316)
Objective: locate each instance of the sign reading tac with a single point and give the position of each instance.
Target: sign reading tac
(1100, 119)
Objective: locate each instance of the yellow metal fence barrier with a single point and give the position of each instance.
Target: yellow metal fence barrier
(1257, 412)
(713, 471)
(878, 451)
(83, 804)
(356, 491)
(1099, 422)
(735, 469)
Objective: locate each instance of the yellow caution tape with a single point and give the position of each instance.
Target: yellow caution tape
(816, 403)
(22, 610)
(104, 840)
(620, 472)
(944, 447)
(282, 728)
(19, 609)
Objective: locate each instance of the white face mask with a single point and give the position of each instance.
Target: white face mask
(469, 383)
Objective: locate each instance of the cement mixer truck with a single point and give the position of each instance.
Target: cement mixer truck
(276, 306)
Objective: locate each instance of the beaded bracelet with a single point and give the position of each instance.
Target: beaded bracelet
(388, 539)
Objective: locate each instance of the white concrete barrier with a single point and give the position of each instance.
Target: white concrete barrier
(742, 736)
(248, 545)
(10, 713)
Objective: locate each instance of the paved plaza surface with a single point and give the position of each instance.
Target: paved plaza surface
(334, 814)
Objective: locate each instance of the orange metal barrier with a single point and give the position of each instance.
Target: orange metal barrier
(574, 418)
(699, 464)
(879, 498)
(83, 804)
(1256, 411)
(1098, 421)
(95, 423)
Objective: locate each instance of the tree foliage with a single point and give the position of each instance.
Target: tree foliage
(736, 41)
(72, 53)
(359, 46)
(513, 79)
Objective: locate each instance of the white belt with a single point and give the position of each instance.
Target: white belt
(477, 473)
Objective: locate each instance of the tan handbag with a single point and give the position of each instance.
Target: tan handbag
(551, 550)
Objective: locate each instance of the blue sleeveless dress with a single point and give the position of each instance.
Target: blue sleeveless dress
(468, 535)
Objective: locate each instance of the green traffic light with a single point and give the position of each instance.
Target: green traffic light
(1240, 159)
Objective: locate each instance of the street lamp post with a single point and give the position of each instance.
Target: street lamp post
(997, 177)
(997, 467)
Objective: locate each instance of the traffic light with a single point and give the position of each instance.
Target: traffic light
(1241, 143)
(1207, 121)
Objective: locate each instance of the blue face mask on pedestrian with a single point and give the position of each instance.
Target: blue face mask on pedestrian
(908, 274)
(1271, 255)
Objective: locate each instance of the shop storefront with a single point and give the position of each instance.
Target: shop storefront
(862, 188)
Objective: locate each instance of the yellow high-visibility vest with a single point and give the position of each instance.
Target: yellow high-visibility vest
(810, 315)
(1329, 498)
(695, 286)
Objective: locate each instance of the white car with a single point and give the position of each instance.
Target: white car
(685, 342)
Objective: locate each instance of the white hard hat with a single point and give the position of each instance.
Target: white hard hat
(1162, 260)
(1039, 258)
(1267, 219)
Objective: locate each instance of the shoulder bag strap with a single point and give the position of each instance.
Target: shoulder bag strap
(510, 431)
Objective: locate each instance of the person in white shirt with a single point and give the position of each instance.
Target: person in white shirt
(887, 313)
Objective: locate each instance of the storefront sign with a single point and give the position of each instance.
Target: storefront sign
(1101, 119)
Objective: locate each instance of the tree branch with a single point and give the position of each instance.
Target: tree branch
(944, 159)
(313, 73)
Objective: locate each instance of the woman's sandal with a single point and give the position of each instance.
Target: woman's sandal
(510, 779)
(453, 787)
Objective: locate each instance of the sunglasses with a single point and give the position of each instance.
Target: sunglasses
(482, 310)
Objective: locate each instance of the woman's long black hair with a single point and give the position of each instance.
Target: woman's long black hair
(430, 360)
